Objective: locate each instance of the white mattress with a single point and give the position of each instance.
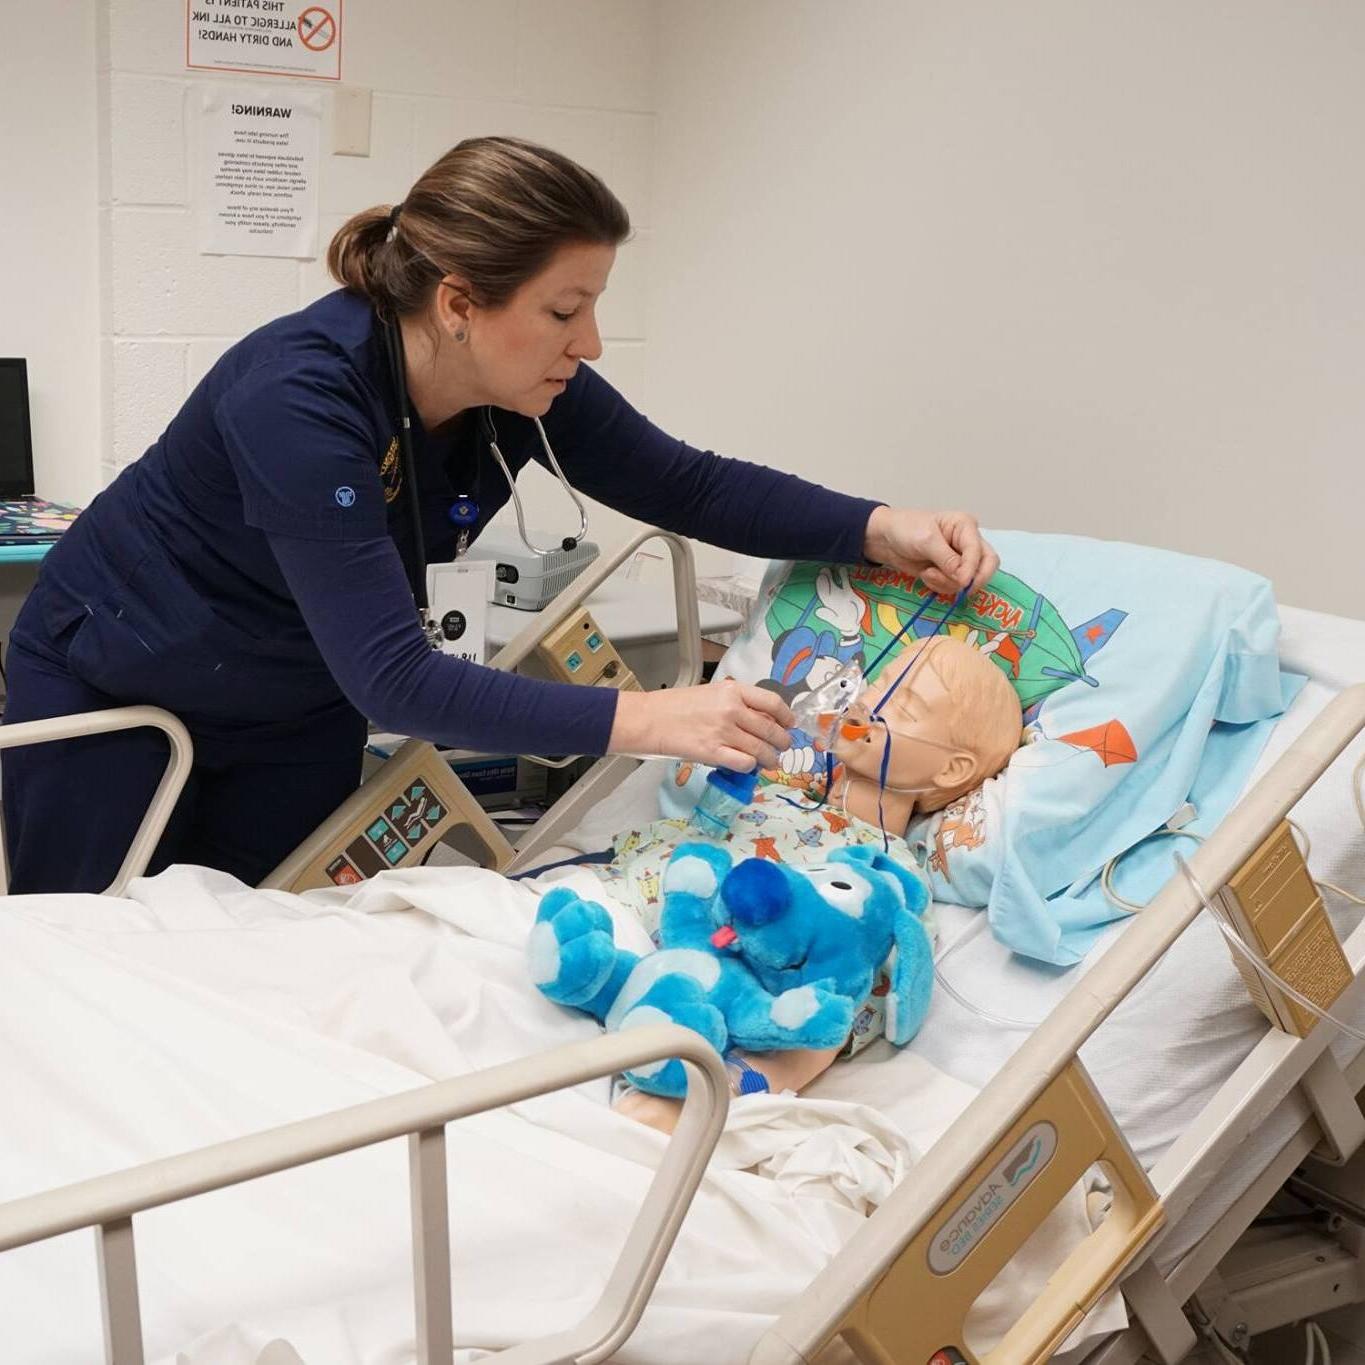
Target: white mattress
(1182, 1031)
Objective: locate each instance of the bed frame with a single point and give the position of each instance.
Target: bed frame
(898, 1293)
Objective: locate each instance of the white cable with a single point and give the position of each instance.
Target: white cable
(1315, 1344)
(961, 940)
(1324, 1350)
(1107, 876)
(1305, 847)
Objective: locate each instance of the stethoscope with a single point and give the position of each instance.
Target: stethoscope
(463, 513)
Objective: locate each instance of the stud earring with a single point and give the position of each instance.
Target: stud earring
(459, 336)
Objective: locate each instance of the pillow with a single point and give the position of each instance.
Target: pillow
(1125, 659)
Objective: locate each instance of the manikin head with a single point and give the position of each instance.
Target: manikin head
(953, 723)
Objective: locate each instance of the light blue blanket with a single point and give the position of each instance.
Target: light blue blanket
(1174, 684)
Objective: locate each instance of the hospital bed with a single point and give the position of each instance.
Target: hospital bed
(1190, 1157)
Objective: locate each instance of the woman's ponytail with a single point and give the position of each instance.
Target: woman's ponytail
(355, 257)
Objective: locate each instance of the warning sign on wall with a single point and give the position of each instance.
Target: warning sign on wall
(258, 172)
(265, 37)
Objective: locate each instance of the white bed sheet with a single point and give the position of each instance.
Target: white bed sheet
(197, 1010)
(1181, 1032)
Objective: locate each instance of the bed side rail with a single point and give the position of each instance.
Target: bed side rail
(608, 772)
(416, 801)
(109, 1203)
(168, 791)
(888, 1259)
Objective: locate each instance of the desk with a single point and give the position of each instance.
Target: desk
(638, 618)
(25, 554)
(18, 572)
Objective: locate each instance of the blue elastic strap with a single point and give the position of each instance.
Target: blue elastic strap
(876, 710)
(578, 860)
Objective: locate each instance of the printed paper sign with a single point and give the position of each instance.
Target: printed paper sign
(269, 37)
(258, 176)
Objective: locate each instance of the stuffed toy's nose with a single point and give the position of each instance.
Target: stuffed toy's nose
(755, 892)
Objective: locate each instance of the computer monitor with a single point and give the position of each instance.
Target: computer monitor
(16, 434)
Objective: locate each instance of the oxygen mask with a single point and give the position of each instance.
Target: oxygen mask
(820, 711)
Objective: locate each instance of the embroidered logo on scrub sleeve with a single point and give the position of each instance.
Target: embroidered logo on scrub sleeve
(391, 472)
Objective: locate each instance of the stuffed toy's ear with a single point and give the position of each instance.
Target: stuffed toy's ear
(912, 888)
(912, 978)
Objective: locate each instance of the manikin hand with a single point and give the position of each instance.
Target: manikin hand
(944, 548)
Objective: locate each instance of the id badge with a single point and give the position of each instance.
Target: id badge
(459, 594)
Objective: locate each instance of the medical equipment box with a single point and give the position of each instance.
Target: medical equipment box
(525, 579)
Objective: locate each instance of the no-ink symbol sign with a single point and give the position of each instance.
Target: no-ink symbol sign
(317, 29)
(266, 37)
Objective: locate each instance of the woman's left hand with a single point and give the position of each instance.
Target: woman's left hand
(943, 548)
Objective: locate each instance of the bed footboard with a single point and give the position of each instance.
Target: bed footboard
(109, 1203)
(163, 801)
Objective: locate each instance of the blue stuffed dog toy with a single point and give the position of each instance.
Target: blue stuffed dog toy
(756, 955)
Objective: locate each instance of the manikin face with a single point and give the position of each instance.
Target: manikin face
(523, 354)
(918, 715)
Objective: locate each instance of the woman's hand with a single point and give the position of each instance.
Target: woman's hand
(943, 548)
(727, 725)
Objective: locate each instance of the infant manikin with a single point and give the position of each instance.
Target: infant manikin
(951, 720)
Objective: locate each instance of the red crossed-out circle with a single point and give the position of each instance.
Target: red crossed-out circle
(317, 29)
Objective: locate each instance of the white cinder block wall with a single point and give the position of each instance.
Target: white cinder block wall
(577, 77)
(1081, 265)
(49, 249)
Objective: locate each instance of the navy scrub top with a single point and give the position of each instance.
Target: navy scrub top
(247, 572)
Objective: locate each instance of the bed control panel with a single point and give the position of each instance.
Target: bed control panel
(1276, 907)
(394, 820)
(578, 652)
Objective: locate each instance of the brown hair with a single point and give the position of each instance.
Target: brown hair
(493, 210)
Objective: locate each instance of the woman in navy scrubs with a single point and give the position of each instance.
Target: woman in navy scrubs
(250, 573)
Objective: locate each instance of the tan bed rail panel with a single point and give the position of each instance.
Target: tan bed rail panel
(925, 1197)
(919, 1306)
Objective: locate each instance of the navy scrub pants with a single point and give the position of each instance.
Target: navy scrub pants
(72, 807)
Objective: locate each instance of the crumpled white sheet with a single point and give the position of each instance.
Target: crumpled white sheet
(820, 1149)
(197, 1009)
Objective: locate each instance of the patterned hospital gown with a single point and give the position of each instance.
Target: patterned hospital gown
(769, 827)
